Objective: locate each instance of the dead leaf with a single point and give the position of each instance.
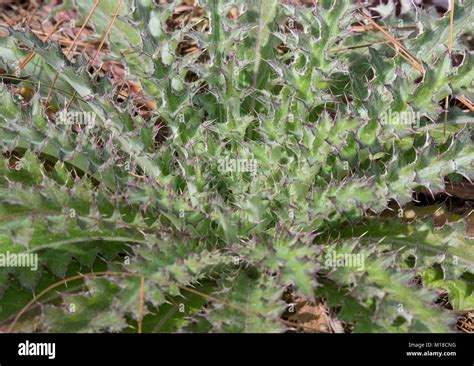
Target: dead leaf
(311, 317)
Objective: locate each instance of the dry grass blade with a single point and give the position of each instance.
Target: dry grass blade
(63, 40)
(364, 45)
(142, 302)
(86, 21)
(413, 61)
(71, 47)
(365, 28)
(101, 45)
(407, 59)
(450, 48)
(32, 54)
(107, 32)
(466, 103)
(451, 23)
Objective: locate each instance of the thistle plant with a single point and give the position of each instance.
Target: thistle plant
(283, 140)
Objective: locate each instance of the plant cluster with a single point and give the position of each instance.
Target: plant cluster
(258, 150)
